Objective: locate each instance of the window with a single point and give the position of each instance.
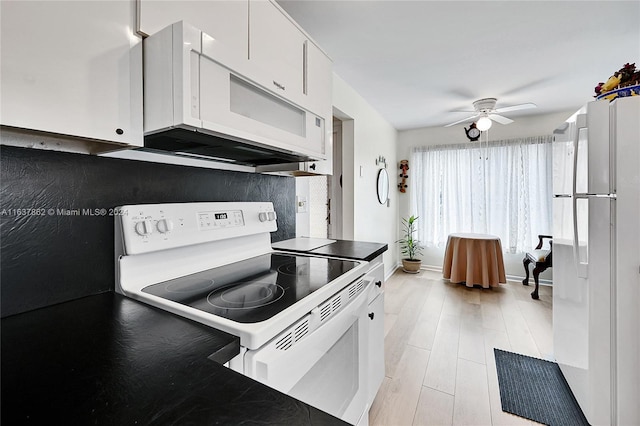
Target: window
(502, 188)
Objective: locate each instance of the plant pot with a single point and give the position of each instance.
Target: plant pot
(411, 266)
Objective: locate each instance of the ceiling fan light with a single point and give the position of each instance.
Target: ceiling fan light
(483, 123)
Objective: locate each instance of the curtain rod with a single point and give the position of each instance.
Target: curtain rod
(529, 140)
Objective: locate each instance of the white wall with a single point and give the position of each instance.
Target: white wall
(303, 219)
(521, 127)
(366, 136)
(371, 136)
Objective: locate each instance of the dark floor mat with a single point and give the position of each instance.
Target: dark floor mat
(536, 389)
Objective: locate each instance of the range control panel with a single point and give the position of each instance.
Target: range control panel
(150, 227)
(217, 220)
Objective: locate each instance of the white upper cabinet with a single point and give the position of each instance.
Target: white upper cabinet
(226, 21)
(255, 39)
(72, 68)
(319, 82)
(258, 42)
(286, 61)
(276, 50)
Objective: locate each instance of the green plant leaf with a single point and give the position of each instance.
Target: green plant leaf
(409, 246)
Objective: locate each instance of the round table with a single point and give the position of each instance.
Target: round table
(474, 259)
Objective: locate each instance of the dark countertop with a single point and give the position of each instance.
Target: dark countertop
(358, 250)
(110, 360)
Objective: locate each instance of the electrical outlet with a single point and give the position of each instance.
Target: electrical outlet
(301, 204)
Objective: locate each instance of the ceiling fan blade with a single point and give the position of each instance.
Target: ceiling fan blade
(500, 119)
(463, 120)
(461, 93)
(517, 107)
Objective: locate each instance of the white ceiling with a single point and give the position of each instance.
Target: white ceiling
(416, 62)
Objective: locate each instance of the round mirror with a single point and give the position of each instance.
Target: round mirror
(383, 186)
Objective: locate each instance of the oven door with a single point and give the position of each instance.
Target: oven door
(326, 368)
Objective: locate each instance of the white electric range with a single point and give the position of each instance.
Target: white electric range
(303, 320)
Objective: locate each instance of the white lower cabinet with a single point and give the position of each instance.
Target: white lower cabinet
(376, 329)
(376, 346)
(72, 68)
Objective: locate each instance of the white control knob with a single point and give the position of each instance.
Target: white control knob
(262, 216)
(144, 227)
(272, 216)
(164, 226)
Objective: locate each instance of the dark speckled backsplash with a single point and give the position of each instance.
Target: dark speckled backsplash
(55, 257)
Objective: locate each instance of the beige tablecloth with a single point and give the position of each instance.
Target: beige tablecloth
(474, 259)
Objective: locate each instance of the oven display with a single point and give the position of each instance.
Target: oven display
(219, 220)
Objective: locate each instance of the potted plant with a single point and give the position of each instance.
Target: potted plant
(410, 246)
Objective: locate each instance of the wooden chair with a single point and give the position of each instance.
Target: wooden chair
(542, 260)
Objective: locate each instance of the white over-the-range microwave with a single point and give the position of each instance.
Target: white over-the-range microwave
(197, 104)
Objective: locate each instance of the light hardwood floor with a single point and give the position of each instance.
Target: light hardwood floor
(439, 340)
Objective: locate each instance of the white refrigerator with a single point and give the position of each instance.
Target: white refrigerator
(596, 258)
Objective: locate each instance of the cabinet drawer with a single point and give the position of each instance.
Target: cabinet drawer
(376, 276)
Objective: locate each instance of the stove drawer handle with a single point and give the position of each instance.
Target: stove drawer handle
(371, 315)
(379, 283)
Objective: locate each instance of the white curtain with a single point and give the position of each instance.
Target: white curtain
(502, 188)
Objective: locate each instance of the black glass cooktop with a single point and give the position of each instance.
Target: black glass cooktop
(255, 289)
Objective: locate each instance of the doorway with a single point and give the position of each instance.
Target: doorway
(334, 184)
(325, 194)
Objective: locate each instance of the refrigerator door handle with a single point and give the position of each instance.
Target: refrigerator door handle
(581, 123)
(581, 268)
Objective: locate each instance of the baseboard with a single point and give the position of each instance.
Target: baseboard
(517, 278)
(433, 268)
(531, 282)
(391, 272)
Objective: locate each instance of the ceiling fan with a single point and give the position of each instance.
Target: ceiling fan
(485, 110)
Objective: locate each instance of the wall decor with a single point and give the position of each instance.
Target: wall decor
(381, 160)
(473, 133)
(382, 183)
(404, 166)
(383, 186)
